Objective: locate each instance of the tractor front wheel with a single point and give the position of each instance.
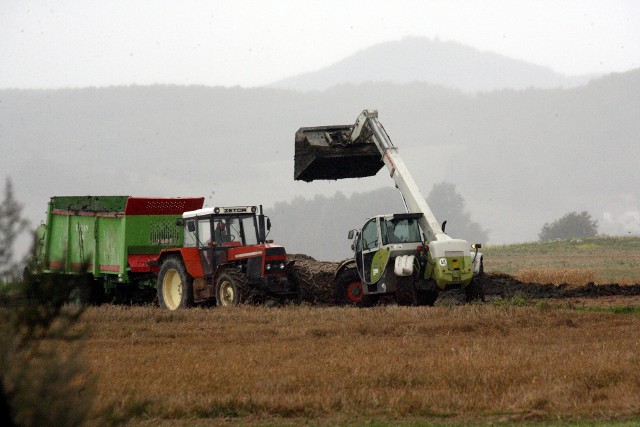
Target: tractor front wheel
(175, 286)
(230, 288)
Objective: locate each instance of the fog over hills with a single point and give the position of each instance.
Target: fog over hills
(444, 63)
(519, 158)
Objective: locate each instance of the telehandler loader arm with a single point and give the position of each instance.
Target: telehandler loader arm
(356, 151)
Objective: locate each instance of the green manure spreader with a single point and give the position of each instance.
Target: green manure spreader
(114, 240)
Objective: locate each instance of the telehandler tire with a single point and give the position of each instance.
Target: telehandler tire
(427, 298)
(427, 293)
(349, 290)
(406, 293)
(230, 288)
(475, 291)
(175, 286)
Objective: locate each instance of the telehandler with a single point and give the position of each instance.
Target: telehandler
(408, 255)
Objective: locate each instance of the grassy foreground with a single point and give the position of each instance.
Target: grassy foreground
(293, 365)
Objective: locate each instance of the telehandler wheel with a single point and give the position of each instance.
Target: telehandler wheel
(349, 290)
(427, 297)
(175, 286)
(406, 293)
(230, 288)
(475, 290)
(427, 293)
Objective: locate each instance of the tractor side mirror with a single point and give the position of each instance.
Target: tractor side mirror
(179, 222)
(268, 224)
(351, 234)
(191, 226)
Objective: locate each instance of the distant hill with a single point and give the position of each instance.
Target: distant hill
(519, 158)
(442, 63)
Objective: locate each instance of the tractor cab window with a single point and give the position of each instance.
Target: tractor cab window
(369, 235)
(221, 231)
(204, 231)
(189, 234)
(250, 230)
(400, 231)
(232, 231)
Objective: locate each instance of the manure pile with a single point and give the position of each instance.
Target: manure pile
(316, 278)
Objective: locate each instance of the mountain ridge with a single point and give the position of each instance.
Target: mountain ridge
(443, 63)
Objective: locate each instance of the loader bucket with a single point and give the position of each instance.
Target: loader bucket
(325, 153)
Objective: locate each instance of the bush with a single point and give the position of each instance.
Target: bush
(572, 225)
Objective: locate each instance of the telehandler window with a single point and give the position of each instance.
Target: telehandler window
(370, 235)
(400, 231)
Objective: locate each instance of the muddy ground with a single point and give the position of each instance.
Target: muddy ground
(318, 283)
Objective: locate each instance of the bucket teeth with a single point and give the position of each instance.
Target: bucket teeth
(325, 153)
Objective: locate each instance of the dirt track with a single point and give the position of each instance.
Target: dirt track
(319, 286)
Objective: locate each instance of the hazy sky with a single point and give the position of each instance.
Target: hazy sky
(53, 44)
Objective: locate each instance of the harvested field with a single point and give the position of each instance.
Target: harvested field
(295, 365)
(532, 353)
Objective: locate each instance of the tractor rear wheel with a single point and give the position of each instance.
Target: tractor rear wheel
(175, 286)
(349, 290)
(230, 288)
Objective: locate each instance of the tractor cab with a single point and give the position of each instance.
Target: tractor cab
(224, 226)
(214, 231)
(381, 239)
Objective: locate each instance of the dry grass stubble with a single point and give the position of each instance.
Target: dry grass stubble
(468, 362)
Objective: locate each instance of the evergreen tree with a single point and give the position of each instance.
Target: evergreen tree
(12, 225)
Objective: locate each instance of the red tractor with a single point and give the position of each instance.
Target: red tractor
(225, 259)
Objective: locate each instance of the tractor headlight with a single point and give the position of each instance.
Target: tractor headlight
(282, 266)
(268, 267)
